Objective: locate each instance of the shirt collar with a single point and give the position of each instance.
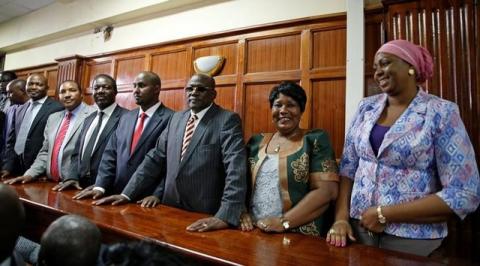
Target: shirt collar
(201, 113)
(76, 110)
(150, 111)
(109, 110)
(40, 101)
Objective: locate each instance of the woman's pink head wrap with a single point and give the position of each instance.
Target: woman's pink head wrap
(415, 55)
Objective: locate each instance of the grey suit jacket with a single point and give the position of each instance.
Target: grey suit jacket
(211, 178)
(41, 165)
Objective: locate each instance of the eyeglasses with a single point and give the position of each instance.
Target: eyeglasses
(197, 88)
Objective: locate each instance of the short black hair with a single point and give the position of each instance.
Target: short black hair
(105, 76)
(71, 81)
(290, 89)
(7, 76)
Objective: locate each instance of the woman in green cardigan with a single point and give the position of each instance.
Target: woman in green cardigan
(293, 171)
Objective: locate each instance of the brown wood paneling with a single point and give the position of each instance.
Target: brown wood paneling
(171, 66)
(273, 53)
(226, 97)
(329, 48)
(51, 76)
(173, 98)
(126, 100)
(227, 50)
(94, 68)
(258, 118)
(328, 103)
(127, 69)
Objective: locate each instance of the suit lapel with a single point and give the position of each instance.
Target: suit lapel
(86, 124)
(112, 121)
(199, 131)
(151, 126)
(85, 111)
(44, 110)
(371, 116)
(19, 116)
(410, 119)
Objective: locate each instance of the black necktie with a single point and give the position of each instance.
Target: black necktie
(87, 154)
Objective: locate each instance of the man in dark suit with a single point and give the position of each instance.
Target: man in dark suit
(137, 133)
(5, 78)
(29, 121)
(202, 156)
(17, 95)
(61, 133)
(96, 131)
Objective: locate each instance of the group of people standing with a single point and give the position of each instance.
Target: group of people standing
(407, 166)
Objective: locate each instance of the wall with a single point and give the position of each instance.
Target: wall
(204, 18)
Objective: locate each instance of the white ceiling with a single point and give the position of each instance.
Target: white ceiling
(13, 8)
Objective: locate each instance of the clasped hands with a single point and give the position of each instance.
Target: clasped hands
(269, 224)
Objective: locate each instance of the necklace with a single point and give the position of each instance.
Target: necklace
(277, 148)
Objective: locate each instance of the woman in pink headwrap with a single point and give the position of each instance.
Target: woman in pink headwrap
(408, 163)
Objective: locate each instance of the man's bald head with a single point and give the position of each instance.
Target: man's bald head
(200, 92)
(12, 217)
(70, 240)
(5, 78)
(16, 91)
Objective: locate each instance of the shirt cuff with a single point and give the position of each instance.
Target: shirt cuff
(125, 196)
(101, 189)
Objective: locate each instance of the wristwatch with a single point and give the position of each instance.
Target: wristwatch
(381, 219)
(285, 223)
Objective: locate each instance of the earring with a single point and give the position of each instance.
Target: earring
(411, 72)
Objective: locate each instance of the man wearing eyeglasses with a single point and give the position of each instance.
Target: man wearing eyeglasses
(200, 159)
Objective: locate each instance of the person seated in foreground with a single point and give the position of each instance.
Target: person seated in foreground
(293, 171)
(70, 240)
(12, 219)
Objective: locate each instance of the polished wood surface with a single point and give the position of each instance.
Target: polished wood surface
(166, 226)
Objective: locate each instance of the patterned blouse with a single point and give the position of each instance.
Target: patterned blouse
(310, 157)
(427, 150)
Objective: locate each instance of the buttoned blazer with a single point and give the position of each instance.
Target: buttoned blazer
(42, 162)
(76, 172)
(118, 164)
(35, 136)
(211, 178)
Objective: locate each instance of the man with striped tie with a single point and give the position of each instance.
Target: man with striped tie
(200, 160)
(61, 133)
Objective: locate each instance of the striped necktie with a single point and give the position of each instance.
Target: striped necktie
(189, 129)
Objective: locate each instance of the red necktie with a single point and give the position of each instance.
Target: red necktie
(138, 132)
(189, 129)
(54, 173)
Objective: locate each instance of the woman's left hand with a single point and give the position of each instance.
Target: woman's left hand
(369, 220)
(270, 224)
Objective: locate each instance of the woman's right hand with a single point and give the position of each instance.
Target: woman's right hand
(337, 235)
(246, 223)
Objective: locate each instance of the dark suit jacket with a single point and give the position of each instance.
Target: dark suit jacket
(18, 164)
(76, 172)
(117, 165)
(211, 178)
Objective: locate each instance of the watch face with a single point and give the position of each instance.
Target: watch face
(286, 225)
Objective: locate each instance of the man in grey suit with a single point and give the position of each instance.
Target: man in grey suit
(95, 133)
(137, 132)
(60, 136)
(28, 125)
(200, 159)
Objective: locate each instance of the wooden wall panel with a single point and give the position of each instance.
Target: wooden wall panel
(174, 99)
(227, 50)
(52, 82)
(94, 68)
(263, 54)
(171, 67)
(226, 97)
(329, 48)
(49, 71)
(329, 103)
(258, 118)
(126, 100)
(126, 71)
